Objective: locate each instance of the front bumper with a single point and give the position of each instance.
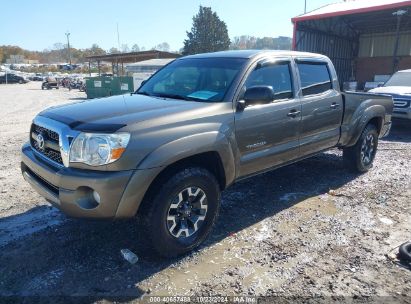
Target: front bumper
(71, 190)
(404, 113)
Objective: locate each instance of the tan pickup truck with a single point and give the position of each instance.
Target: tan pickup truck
(195, 127)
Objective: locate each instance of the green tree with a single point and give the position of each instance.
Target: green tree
(165, 47)
(249, 42)
(243, 43)
(114, 50)
(95, 50)
(125, 48)
(208, 34)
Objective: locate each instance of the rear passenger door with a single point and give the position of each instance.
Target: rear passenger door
(321, 106)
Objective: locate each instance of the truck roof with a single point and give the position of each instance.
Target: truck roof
(247, 54)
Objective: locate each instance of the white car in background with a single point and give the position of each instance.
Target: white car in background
(399, 87)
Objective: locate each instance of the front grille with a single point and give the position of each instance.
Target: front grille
(52, 141)
(402, 103)
(54, 136)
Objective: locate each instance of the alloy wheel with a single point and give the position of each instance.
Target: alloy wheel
(187, 212)
(367, 149)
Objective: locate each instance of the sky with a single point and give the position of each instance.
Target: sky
(37, 25)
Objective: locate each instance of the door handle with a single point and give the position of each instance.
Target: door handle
(334, 105)
(293, 113)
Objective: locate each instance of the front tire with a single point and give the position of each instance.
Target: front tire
(360, 157)
(181, 213)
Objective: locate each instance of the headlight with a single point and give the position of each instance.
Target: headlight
(98, 149)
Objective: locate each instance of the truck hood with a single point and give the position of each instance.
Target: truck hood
(113, 113)
(392, 90)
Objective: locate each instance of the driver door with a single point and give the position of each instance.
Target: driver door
(268, 134)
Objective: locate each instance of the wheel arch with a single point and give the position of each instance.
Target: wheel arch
(377, 121)
(210, 150)
(210, 161)
(372, 115)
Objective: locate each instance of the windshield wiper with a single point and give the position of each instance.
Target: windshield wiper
(143, 93)
(177, 96)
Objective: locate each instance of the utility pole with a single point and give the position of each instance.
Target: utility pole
(68, 46)
(118, 39)
(395, 60)
(305, 6)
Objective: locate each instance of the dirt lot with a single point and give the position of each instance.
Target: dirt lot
(309, 229)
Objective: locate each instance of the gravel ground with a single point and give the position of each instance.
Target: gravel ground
(308, 229)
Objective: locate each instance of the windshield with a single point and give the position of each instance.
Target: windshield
(198, 79)
(399, 79)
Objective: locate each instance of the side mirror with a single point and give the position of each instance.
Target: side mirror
(257, 95)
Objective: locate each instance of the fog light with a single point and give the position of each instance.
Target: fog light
(96, 197)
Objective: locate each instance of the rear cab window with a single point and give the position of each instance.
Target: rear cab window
(315, 77)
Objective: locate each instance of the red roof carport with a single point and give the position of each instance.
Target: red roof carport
(336, 30)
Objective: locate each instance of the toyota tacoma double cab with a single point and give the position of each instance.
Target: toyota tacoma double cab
(164, 153)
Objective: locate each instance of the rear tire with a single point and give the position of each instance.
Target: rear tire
(179, 215)
(405, 252)
(360, 157)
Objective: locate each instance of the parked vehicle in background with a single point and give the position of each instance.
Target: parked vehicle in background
(370, 85)
(64, 82)
(50, 83)
(12, 78)
(399, 87)
(37, 77)
(191, 130)
(82, 87)
(75, 84)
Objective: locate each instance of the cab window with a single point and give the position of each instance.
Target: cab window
(315, 78)
(277, 75)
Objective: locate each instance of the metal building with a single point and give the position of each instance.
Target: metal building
(144, 69)
(363, 38)
(147, 66)
(119, 60)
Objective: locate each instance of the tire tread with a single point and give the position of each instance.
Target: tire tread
(351, 155)
(147, 233)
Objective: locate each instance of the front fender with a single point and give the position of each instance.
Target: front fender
(181, 148)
